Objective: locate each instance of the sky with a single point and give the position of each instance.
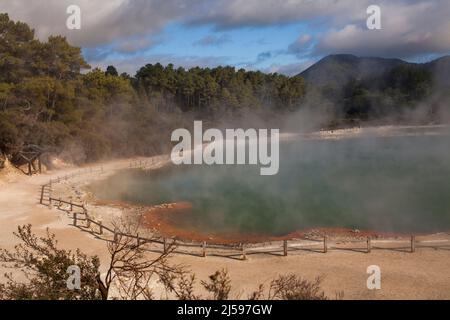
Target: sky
(285, 36)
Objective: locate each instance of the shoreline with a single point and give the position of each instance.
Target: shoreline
(158, 223)
(370, 131)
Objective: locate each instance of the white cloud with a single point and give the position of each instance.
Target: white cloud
(301, 46)
(408, 30)
(235, 13)
(290, 69)
(103, 21)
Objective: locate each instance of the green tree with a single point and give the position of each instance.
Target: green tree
(111, 71)
(412, 82)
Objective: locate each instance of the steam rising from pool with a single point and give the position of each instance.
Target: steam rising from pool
(399, 184)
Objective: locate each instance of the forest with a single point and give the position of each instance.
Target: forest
(52, 98)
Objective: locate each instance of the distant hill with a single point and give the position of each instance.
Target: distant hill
(440, 68)
(337, 70)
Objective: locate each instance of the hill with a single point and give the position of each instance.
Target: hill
(337, 70)
(440, 68)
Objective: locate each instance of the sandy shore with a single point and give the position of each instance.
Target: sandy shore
(380, 131)
(420, 275)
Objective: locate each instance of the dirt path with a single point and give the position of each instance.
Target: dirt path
(19, 205)
(421, 275)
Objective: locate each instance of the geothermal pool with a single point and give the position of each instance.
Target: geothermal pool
(390, 184)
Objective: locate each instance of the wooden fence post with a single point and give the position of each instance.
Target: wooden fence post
(413, 243)
(138, 240)
(75, 218)
(325, 245)
(244, 256)
(101, 227)
(285, 248)
(369, 245)
(165, 244)
(204, 249)
(42, 194)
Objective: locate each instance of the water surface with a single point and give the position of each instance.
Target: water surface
(399, 184)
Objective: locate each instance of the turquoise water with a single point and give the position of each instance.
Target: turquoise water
(399, 184)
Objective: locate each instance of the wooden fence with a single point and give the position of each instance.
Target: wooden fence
(82, 220)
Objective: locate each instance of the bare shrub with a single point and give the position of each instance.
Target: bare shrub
(181, 285)
(44, 270)
(219, 285)
(130, 268)
(293, 287)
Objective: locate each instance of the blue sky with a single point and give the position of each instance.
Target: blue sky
(283, 36)
(255, 48)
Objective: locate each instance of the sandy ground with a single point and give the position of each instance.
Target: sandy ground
(19, 205)
(424, 274)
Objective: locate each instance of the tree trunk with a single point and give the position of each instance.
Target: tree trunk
(102, 288)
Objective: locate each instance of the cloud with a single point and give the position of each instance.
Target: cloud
(135, 44)
(213, 40)
(301, 45)
(290, 69)
(408, 30)
(263, 56)
(103, 21)
(260, 58)
(226, 14)
(410, 27)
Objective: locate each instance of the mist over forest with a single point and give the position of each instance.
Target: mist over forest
(51, 97)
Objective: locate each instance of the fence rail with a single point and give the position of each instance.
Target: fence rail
(161, 244)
